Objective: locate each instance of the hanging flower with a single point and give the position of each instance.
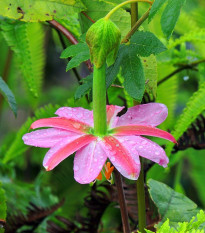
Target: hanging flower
(72, 131)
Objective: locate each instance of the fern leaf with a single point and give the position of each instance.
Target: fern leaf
(194, 107)
(193, 36)
(167, 94)
(38, 10)
(26, 40)
(18, 147)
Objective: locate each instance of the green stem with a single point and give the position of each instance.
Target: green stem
(99, 100)
(122, 4)
(135, 27)
(134, 13)
(141, 201)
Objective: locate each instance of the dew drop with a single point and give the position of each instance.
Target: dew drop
(76, 125)
(112, 159)
(157, 153)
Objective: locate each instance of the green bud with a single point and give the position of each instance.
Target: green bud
(103, 39)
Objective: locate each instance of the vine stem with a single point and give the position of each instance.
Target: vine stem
(70, 37)
(122, 4)
(121, 198)
(135, 27)
(190, 66)
(134, 13)
(141, 200)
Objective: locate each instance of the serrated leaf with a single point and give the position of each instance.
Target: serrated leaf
(172, 205)
(29, 50)
(73, 50)
(133, 73)
(194, 107)
(8, 95)
(78, 59)
(155, 8)
(146, 43)
(170, 16)
(38, 10)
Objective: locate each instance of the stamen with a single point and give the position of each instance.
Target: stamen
(99, 177)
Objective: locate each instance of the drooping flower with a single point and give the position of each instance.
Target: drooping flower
(72, 131)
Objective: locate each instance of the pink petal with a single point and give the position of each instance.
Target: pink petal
(46, 137)
(89, 162)
(143, 130)
(83, 115)
(61, 123)
(121, 155)
(112, 111)
(148, 149)
(67, 147)
(145, 114)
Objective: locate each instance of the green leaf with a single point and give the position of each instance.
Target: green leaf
(155, 8)
(170, 16)
(77, 60)
(85, 87)
(27, 42)
(151, 75)
(194, 107)
(146, 43)
(79, 53)
(133, 73)
(38, 10)
(74, 50)
(172, 205)
(8, 95)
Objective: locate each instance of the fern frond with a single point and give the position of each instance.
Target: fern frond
(193, 36)
(167, 94)
(194, 107)
(27, 42)
(18, 146)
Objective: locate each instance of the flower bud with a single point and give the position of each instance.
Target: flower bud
(103, 39)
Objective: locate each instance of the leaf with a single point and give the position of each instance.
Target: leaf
(74, 50)
(3, 208)
(133, 73)
(146, 43)
(193, 36)
(27, 42)
(85, 87)
(8, 95)
(151, 75)
(155, 8)
(172, 205)
(77, 60)
(170, 16)
(194, 107)
(79, 53)
(38, 10)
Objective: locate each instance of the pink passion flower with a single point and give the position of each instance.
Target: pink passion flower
(72, 131)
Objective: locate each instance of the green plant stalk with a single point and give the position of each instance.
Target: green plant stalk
(122, 4)
(134, 13)
(99, 100)
(141, 201)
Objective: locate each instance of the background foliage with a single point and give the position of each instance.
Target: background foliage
(164, 62)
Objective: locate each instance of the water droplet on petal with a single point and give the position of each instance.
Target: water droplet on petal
(157, 153)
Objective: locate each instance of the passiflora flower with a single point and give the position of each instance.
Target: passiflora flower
(72, 131)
